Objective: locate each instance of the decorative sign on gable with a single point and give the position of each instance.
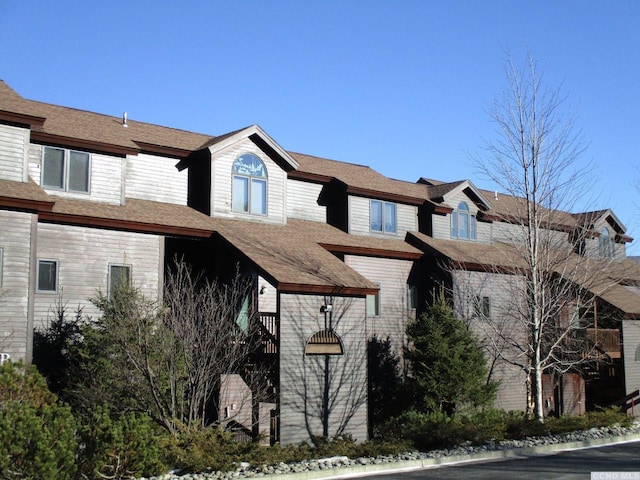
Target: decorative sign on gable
(250, 165)
(324, 342)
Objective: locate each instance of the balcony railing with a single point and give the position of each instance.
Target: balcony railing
(269, 332)
(607, 339)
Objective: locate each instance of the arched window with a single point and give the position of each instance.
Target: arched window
(249, 193)
(463, 223)
(607, 249)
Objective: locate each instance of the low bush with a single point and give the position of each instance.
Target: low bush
(124, 446)
(427, 431)
(202, 449)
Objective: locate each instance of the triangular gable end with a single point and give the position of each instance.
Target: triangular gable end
(472, 192)
(260, 138)
(615, 222)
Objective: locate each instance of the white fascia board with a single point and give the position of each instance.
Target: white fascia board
(467, 184)
(247, 133)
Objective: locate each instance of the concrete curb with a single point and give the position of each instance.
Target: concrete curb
(490, 456)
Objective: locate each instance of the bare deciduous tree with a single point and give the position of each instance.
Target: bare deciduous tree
(534, 159)
(178, 356)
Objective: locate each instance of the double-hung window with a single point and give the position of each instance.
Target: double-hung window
(64, 169)
(47, 276)
(607, 245)
(249, 193)
(463, 223)
(382, 216)
(119, 277)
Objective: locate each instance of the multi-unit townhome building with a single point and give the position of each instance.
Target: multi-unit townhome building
(338, 253)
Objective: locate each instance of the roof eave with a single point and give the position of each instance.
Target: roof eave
(163, 150)
(394, 197)
(26, 204)
(21, 118)
(89, 145)
(370, 252)
(119, 224)
(325, 289)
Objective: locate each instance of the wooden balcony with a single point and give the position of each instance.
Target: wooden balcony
(606, 339)
(269, 332)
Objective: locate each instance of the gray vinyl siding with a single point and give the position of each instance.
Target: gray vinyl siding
(501, 289)
(359, 215)
(391, 275)
(507, 232)
(16, 230)
(84, 255)
(105, 178)
(235, 400)
(267, 296)
(441, 226)
(302, 201)
(12, 153)
(156, 178)
(512, 393)
(221, 180)
(631, 346)
(302, 377)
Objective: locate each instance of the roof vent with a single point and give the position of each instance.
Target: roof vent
(124, 120)
(495, 194)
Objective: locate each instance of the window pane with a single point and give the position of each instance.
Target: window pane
(454, 224)
(240, 202)
(390, 217)
(375, 215)
(53, 168)
(486, 307)
(249, 164)
(47, 275)
(242, 320)
(373, 305)
(79, 171)
(463, 225)
(412, 297)
(258, 196)
(119, 276)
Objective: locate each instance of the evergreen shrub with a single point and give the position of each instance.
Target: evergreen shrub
(124, 446)
(37, 432)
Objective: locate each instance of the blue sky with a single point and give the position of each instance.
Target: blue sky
(402, 86)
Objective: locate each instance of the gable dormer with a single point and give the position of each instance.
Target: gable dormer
(459, 206)
(240, 175)
(603, 234)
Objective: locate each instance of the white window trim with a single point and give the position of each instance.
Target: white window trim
(65, 171)
(1, 265)
(250, 179)
(57, 280)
